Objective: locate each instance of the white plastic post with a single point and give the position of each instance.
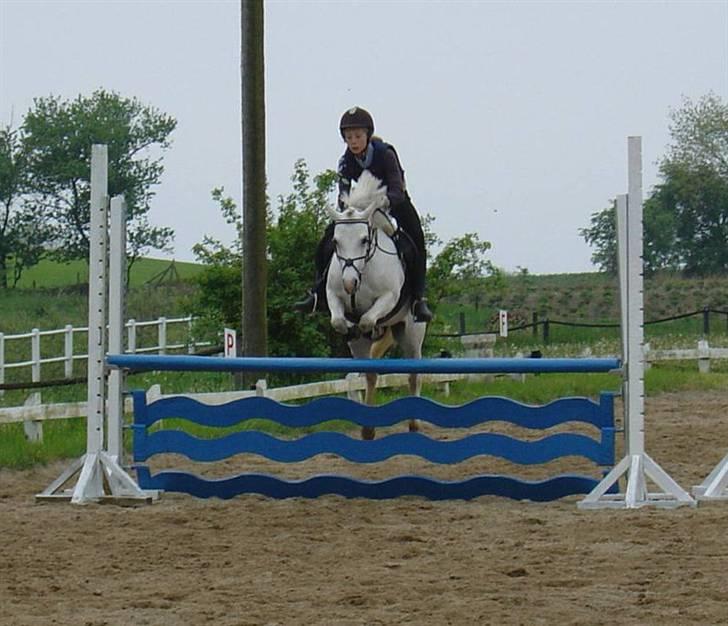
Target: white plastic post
(33, 428)
(636, 465)
(635, 358)
(98, 242)
(117, 291)
(162, 335)
(68, 351)
(35, 355)
(131, 336)
(2, 362)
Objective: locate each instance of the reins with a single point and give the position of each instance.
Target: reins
(371, 249)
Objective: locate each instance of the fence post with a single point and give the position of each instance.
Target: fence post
(534, 321)
(68, 351)
(353, 392)
(703, 356)
(162, 334)
(546, 331)
(33, 428)
(131, 336)
(706, 321)
(35, 355)
(462, 323)
(2, 362)
(190, 338)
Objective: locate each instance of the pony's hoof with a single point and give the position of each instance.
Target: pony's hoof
(367, 433)
(414, 427)
(340, 325)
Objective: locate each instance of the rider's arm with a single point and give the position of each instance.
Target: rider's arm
(344, 183)
(393, 179)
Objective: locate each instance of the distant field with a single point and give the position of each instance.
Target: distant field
(51, 274)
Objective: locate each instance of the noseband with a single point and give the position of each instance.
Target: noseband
(372, 245)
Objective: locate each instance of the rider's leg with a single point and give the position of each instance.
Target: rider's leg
(316, 296)
(409, 222)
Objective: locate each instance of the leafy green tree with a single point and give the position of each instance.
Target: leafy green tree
(24, 233)
(602, 236)
(695, 190)
(57, 139)
(459, 268)
(294, 230)
(686, 215)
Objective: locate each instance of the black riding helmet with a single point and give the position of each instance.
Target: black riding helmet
(356, 117)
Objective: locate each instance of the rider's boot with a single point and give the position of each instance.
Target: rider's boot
(421, 311)
(314, 297)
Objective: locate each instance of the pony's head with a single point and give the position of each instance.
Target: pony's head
(354, 231)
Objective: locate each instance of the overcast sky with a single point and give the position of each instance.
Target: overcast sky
(510, 118)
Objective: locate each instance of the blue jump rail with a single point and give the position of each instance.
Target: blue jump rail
(139, 363)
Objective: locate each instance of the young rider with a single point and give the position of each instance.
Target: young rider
(365, 152)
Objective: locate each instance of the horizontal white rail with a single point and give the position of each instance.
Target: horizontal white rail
(68, 357)
(352, 383)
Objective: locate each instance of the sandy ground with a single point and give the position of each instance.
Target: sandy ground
(333, 561)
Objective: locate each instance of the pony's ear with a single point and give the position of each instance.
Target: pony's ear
(332, 212)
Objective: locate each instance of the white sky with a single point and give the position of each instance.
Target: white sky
(510, 118)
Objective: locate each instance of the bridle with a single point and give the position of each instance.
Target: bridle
(371, 249)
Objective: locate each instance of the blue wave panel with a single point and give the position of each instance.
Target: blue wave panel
(358, 451)
(324, 409)
(316, 486)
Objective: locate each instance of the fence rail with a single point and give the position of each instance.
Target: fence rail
(545, 323)
(69, 354)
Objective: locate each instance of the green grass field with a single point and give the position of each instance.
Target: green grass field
(51, 274)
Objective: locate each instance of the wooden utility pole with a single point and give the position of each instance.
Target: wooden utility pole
(255, 335)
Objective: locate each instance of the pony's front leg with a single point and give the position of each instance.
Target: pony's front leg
(338, 321)
(383, 305)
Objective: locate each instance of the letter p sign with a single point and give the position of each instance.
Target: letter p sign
(230, 343)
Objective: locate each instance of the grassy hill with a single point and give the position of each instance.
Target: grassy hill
(53, 294)
(51, 274)
(591, 297)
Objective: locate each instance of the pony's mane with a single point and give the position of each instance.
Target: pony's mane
(368, 189)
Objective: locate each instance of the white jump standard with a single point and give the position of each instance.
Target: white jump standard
(636, 465)
(101, 477)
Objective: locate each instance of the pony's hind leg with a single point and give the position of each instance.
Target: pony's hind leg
(415, 386)
(376, 351)
(368, 432)
(410, 337)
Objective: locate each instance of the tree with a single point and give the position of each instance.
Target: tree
(686, 215)
(459, 268)
(294, 230)
(695, 190)
(57, 139)
(23, 231)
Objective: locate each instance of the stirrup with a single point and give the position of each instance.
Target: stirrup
(308, 304)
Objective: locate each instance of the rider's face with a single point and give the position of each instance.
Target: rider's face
(356, 139)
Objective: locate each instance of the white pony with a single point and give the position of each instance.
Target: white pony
(365, 284)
